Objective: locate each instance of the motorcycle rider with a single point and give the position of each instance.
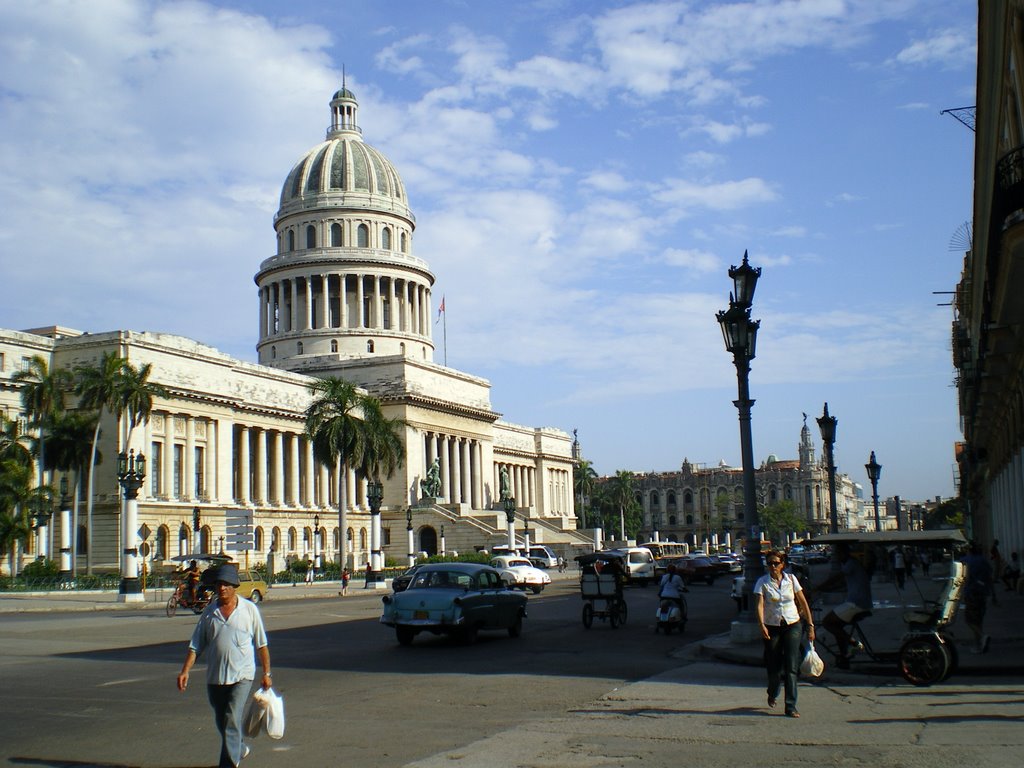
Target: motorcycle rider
(672, 586)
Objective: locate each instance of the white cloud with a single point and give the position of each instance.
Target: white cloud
(698, 261)
(946, 48)
(720, 196)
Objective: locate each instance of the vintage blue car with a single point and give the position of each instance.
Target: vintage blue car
(454, 598)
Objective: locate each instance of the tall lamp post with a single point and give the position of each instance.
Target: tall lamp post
(316, 543)
(65, 531)
(375, 495)
(827, 425)
(526, 535)
(409, 537)
(510, 521)
(874, 474)
(131, 471)
(740, 334)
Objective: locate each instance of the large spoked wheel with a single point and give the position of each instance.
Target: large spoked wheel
(924, 660)
(404, 635)
(613, 615)
(588, 615)
(172, 606)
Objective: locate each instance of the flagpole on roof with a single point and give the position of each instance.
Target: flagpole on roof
(442, 314)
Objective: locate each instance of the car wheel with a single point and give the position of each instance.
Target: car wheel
(469, 634)
(404, 635)
(537, 589)
(256, 596)
(516, 629)
(172, 606)
(710, 580)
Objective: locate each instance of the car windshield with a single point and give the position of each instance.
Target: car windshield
(519, 564)
(441, 580)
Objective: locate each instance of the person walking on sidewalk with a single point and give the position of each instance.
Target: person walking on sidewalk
(780, 603)
(977, 590)
(228, 631)
(899, 567)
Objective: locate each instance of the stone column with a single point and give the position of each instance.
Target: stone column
(476, 480)
(244, 471)
(456, 444)
(210, 470)
(168, 457)
(309, 497)
(294, 444)
(260, 462)
(325, 301)
(445, 477)
(308, 309)
(277, 477)
(188, 485)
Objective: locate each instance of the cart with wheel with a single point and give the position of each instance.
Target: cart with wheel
(601, 589)
(926, 652)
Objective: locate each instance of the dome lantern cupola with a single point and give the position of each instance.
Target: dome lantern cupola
(343, 114)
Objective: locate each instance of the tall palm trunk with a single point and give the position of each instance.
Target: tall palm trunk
(88, 500)
(343, 510)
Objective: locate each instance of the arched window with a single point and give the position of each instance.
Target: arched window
(257, 539)
(292, 539)
(363, 236)
(385, 239)
(334, 345)
(291, 240)
(273, 353)
(298, 347)
(311, 236)
(401, 347)
(405, 243)
(689, 519)
(369, 346)
(335, 235)
(655, 499)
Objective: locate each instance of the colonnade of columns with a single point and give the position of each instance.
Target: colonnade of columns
(344, 300)
(216, 460)
(523, 479)
(559, 492)
(460, 460)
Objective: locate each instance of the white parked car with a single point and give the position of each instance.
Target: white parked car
(518, 572)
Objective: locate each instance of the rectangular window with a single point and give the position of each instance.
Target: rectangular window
(176, 470)
(200, 488)
(1, 361)
(154, 469)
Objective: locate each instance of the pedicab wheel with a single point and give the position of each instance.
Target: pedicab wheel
(923, 661)
(172, 606)
(588, 615)
(623, 611)
(613, 615)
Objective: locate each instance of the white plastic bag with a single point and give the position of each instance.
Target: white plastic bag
(812, 665)
(269, 713)
(275, 714)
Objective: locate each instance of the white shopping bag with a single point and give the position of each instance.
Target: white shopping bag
(271, 713)
(812, 665)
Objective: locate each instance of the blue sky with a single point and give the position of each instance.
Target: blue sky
(583, 175)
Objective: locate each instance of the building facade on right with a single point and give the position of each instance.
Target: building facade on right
(988, 328)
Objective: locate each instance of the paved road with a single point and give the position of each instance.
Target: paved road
(105, 680)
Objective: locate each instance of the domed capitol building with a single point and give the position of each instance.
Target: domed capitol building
(344, 295)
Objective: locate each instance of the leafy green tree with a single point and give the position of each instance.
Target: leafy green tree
(43, 394)
(778, 518)
(70, 450)
(332, 425)
(380, 448)
(19, 499)
(622, 493)
(13, 444)
(135, 394)
(948, 514)
(583, 477)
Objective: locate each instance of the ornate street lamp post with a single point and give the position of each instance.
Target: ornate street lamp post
(827, 425)
(409, 536)
(444, 544)
(375, 495)
(740, 334)
(65, 531)
(526, 535)
(316, 543)
(874, 474)
(131, 471)
(510, 520)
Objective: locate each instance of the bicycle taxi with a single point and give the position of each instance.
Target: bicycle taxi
(922, 645)
(601, 578)
(204, 589)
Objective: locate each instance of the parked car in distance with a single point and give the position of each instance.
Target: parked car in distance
(251, 585)
(454, 598)
(541, 556)
(697, 568)
(518, 572)
(401, 581)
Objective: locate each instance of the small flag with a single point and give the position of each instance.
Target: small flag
(440, 311)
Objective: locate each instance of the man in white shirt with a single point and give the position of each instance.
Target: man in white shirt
(228, 631)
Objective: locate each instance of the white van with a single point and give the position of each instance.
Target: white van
(640, 564)
(542, 557)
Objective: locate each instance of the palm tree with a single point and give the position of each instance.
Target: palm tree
(380, 450)
(584, 476)
(334, 430)
(135, 393)
(622, 495)
(69, 452)
(12, 442)
(98, 388)
(18, 499)
(42, 398)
